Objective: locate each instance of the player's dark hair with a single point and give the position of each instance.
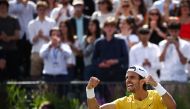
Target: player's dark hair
(144, 85)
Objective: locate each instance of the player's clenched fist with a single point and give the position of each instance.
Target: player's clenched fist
(93, 82)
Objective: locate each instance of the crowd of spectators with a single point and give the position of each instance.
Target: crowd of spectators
(65, 40)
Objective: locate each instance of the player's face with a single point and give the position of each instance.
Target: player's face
(132, 82)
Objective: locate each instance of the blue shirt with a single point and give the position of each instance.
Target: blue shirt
(113, 49)
(79, 25)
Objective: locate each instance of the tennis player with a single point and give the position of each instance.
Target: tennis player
(136, 80)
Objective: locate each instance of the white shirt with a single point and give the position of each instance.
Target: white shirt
(132, 38)
(172, 69)
(34, 27)
(64, 13)
(138, 53)
(55, 59)
(101, 17)
(24, 13)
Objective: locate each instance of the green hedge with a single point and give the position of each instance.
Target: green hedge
(31, 96)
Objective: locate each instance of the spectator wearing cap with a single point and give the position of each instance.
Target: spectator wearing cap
(174, 55)
(149, 57)
(79, 21)
(79, 24)
(9, 36)
(39, 34)
(141, 98)
(63, 12)
(110, 56)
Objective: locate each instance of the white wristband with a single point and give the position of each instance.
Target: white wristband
(161, 91)
(90, 93)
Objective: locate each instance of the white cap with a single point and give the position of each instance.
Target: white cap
(139, 70)
(78, 2)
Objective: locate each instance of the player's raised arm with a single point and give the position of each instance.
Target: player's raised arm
(91, 100)
(166, 97)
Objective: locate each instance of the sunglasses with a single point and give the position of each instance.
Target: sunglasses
(125, 6)
(154, 14)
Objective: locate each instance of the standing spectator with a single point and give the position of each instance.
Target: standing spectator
(156, 25)
(63, 12)
(9, 36)
(39, 34)
(105, 9)
(127, 26)
(110, 57)
(79, 23)
(24, 10)
(55, 55)
(67, 36)
(93, 34)
(174, 55)
(149, 57)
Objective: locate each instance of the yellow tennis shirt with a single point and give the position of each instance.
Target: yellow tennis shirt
(152, 101)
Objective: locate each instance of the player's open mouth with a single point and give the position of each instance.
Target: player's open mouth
(130, 85)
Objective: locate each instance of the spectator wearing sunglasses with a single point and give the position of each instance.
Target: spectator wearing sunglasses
(156, 25)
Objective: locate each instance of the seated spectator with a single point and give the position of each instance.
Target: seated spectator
(124, 9)
(149, 53)
(105, 8)
(184, 17)
(110, 55)
(139, 10)
(127, 27)
(54, 55)
(156, 25)
(174, 55)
